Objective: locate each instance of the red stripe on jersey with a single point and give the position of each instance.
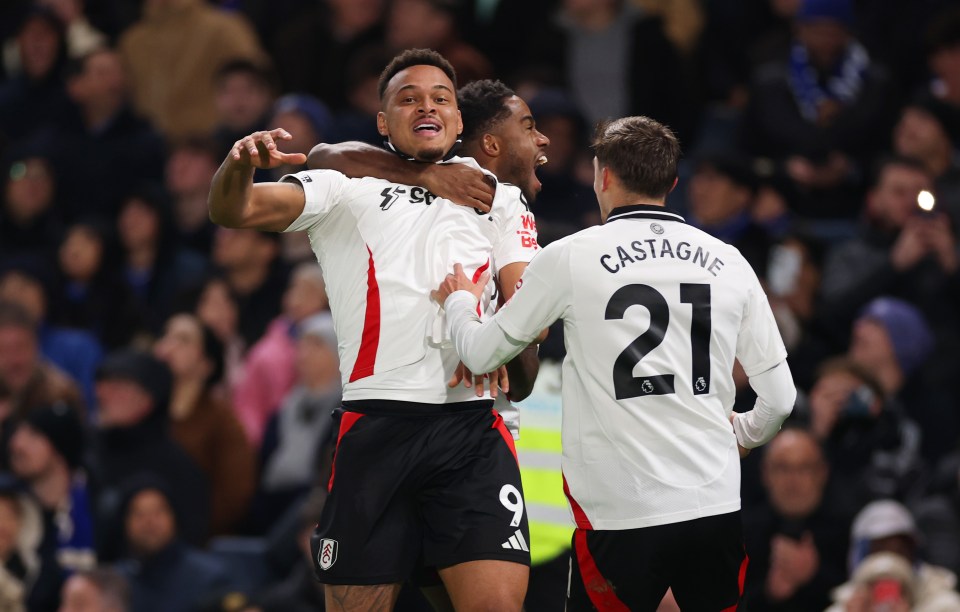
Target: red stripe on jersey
(579, 516)
(500, 426)
(599, 589)
(370, 340)
(476, 277)
(348, 420)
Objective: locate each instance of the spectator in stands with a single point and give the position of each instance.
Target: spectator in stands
(925, 132)
(797, 545)
(793, 270)
(432, 24)
(45, 452)
(602, 45)
(133, 389)
(35, 96)
(823, 111)
(27, 381)
(29, 574)
(305, 118)
(943, 46)
(566, 202)
(269, 369)
(357, 121)
(173, 53)
(98, 590)
(298, 444)
(156, 270)
(720, 200)
(189, 170)
(218, 309)
(93, 297)
(898, 251)
(884, 544)
(30, 220)
(75, 351)
(100, 148)
(205, 426)
(244, 93)
(165, 574)
(336, 31)
(892, 339)
(872, 448)
(299, 592)
(250, 262)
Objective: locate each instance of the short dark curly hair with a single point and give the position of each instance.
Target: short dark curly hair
(415, 57)
(482, 106)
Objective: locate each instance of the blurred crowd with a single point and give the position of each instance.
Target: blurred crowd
(166, 385)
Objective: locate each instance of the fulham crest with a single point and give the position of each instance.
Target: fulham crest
(327, 555)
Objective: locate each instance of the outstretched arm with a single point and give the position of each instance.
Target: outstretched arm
(456, 182)
(234, 201)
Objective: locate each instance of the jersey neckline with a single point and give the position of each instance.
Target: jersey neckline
(643, 211)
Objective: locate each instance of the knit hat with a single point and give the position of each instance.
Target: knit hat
(909, 333)
(141, 368)
(61, 425)
(320, 326)
(835, 10)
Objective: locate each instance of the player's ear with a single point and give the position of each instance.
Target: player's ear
(676, 179)
(382, 124)
(491, 145)
(459, 123)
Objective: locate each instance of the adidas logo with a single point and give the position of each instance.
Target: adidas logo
(516, 542)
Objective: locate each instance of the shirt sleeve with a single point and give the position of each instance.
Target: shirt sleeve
(537, 303)
(323, 190)
(759, 345)
(776, 395)
(517, 241)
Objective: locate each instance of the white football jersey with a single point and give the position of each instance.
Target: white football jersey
(654, 312)
(383, 248)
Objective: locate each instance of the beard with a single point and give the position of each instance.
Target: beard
(430, 155)
(517, 172)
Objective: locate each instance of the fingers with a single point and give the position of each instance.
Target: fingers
(504, 379)
(484, 279)
(478, 385)
(293, 158)
(457, 271)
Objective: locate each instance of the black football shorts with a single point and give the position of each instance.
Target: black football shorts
(436, 488)
(702, 560)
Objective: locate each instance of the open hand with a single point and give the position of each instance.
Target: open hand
(260, 150)
(498, 380)
(457, 281)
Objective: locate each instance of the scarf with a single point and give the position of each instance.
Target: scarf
(843, 84)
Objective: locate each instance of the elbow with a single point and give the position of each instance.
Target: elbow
(317, 158)
(519, 391)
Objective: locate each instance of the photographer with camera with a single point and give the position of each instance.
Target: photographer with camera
(872, 448)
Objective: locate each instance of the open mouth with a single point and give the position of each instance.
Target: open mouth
(427, 126)
(541, 160)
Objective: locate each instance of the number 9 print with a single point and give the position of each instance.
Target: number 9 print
(512, 500)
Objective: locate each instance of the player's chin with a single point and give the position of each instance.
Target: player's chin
(430, 154)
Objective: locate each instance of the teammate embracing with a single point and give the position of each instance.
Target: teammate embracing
(423, 472)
